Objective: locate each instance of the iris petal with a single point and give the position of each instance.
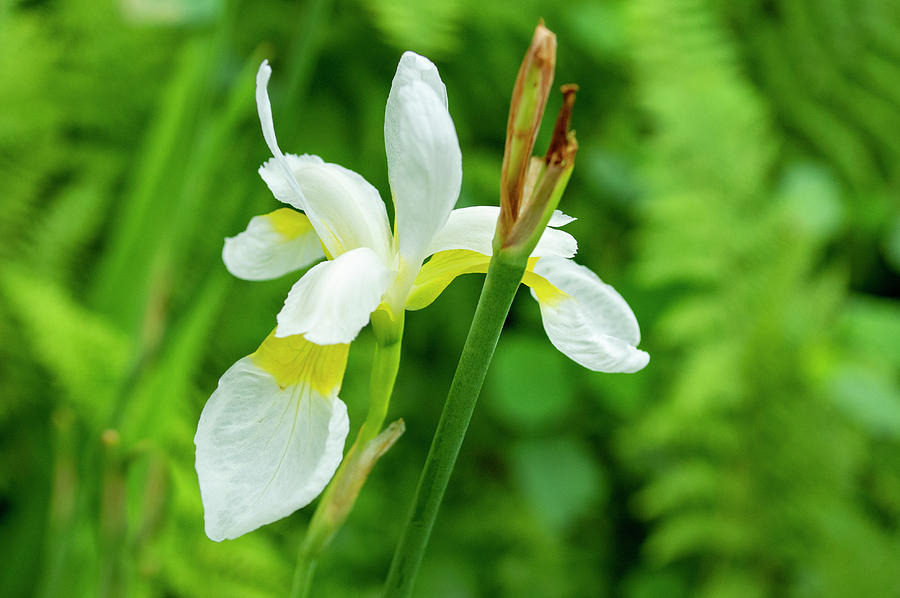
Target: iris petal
(423, 155)
(268, 442)
(587, 319)
(333, 301)
(272, 245)
(473, 229)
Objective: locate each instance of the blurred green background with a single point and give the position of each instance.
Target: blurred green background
(737, 182)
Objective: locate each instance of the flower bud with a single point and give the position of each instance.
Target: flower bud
(526, 110)
(547, 179)
(339, 498)
(530, 188)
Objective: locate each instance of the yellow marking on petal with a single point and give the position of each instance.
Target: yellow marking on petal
(327, 253)
(545, 291)
(293, 360)
(289, 223)
(444, 266)
(440, 271)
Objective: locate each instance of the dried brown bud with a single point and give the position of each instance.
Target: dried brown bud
(526, 110)
(546, 181)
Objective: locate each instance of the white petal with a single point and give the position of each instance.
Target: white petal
(264, 451)
(591, 323)
(278, 181)
(264, 109)
(424, 160)
(272, 245)
(413, 67)
(344, 208)
(558, 219)
(333, 301)
(473, 228)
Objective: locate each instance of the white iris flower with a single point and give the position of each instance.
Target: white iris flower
(272, 434)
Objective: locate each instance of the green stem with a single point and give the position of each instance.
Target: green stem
(303, 576)
(503, 278)
(386, 364)
(341, 493)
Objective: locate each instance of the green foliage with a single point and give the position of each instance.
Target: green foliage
(430, 26)
(83, 354)
(753, 452)
(527, 388)
(736, 182)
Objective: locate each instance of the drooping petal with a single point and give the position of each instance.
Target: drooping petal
(333, 301)
(586, 318)
(473, 229)
(272, 245)
(271, 435)
(423, 155)
(344, 208)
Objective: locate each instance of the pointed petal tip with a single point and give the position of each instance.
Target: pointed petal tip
(559, 219)
(262, 75)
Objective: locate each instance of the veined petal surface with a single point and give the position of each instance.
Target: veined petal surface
(272, 245)
(333, 300)
(346, 211)
(586, 318)
(473, 229)
(271, 435)
(423, 155)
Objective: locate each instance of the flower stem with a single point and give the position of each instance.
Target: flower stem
(341, 493)
(503, 278)
(303, 575)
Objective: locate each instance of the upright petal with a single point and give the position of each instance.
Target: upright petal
(473, 229)
(413, 67)
(333, 301)
(344, 208)
(272, 245)
(264, 109)
(424, 160)
(271, 435)
(585, 318)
